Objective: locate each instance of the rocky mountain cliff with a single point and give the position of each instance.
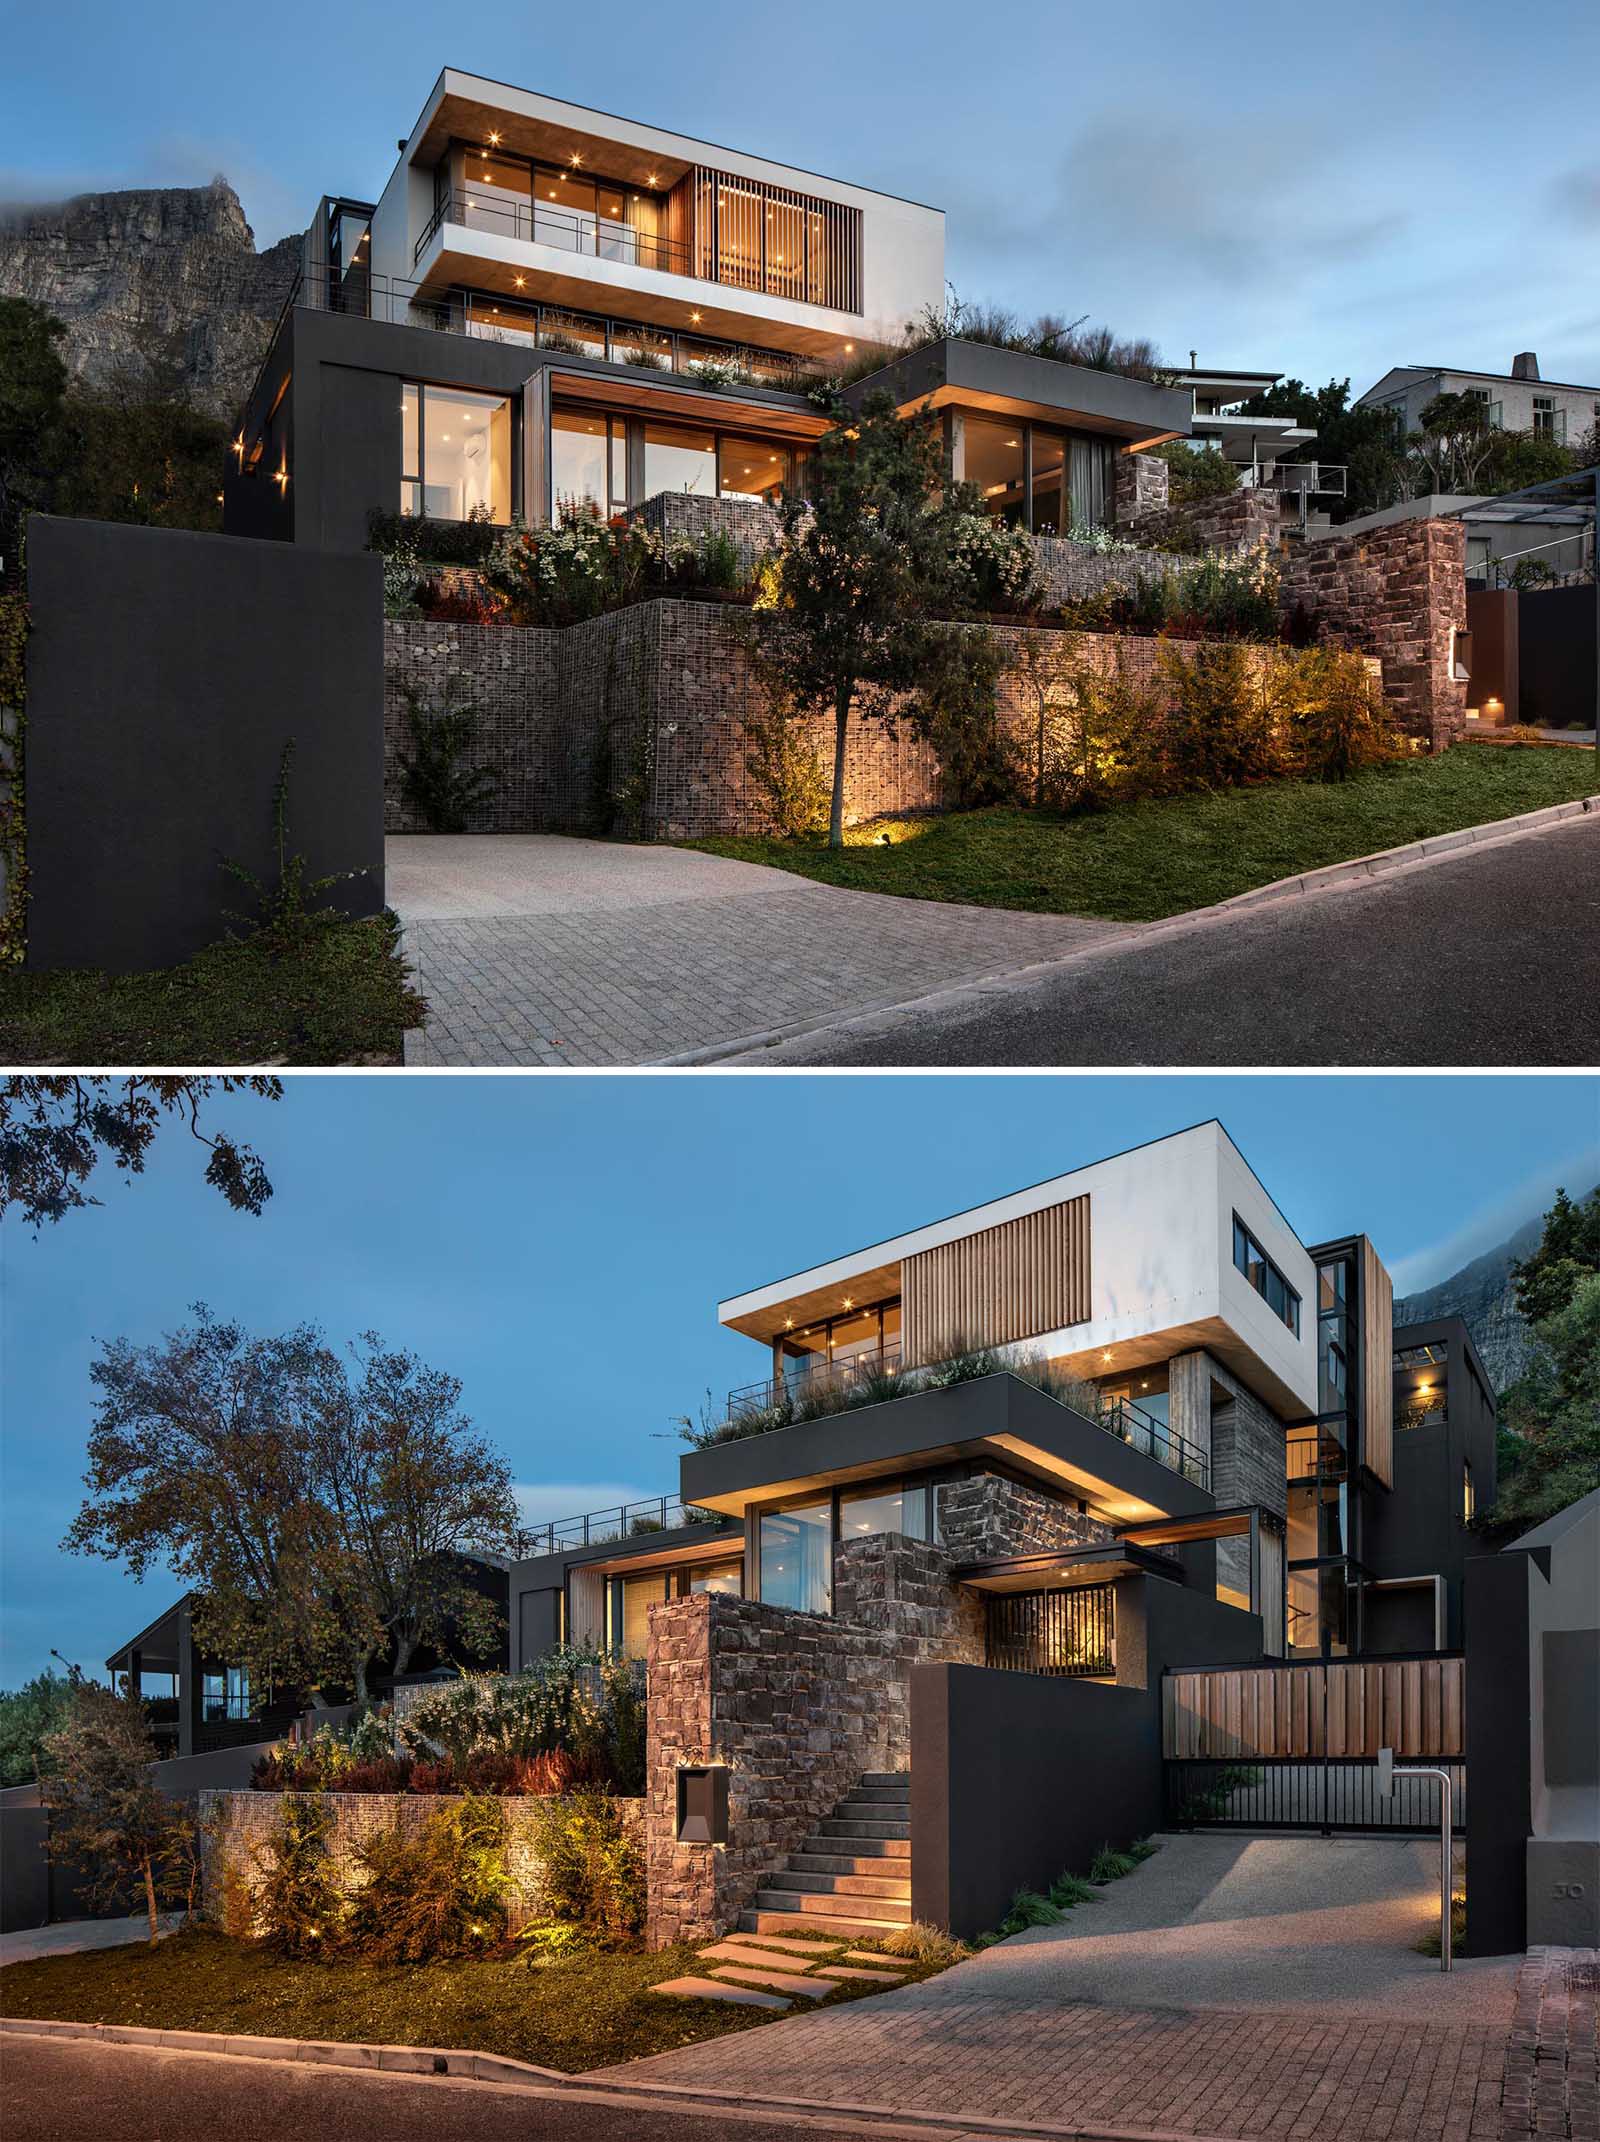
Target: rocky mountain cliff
(169, 268)
(1481, 1295)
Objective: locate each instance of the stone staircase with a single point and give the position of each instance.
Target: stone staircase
(853, 1876)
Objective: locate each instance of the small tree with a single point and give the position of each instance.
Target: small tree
(107, 1815)
(29, 1716)
(851, 576)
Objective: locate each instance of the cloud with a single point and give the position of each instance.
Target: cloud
(1490, 1225)
(1576, 194)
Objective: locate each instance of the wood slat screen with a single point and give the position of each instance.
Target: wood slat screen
(761, 237)
(1377, 1361)
(1346, 1709)
(1013, 1281)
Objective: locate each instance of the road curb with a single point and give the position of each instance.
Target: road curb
(432, 2063)
(1414, 856)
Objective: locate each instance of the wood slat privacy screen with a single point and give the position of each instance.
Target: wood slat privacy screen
(1011, 1282)
(1348, 1708)
(1377, 1363)
(761, 237)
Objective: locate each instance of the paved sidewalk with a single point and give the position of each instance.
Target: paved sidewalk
(1231, 1987)
(539, 949)
(70, 1935)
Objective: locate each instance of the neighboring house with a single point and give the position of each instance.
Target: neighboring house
(200, 1703)
(1230, 1428)
(549, 304)
(1518, 400)
(1560, 538)
(1260, 447)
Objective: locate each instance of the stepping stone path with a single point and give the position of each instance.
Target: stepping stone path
(773, 1971)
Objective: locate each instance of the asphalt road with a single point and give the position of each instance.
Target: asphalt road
(1489, 959)
(58, 2090)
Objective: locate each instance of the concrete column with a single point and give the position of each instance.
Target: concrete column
(1189, 1400)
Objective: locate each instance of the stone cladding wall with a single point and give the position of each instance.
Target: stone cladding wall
(1396, 592)
(988, 1515)
(797, 1705)
(236, 1828)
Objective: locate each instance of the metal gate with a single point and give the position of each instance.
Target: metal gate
(1071, 1632)
(1296, 1746)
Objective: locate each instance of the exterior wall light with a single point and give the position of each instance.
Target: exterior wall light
(703, 1803)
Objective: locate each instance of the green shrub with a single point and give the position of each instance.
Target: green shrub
(439, 777)
(299, 1908)
(438, 1890)
(1340, 721)
(1224, 726)
(1069, 1889)
(786, 773)
(585, 1703)
(717, 564)
(1195, 474)
(593, 1868)
(956, 707)
(1141, 1849)
(1109, 1865)
(1028, 1908)
(467, 542)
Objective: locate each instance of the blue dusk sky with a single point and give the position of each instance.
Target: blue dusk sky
(561, 1245)
(1323, 191)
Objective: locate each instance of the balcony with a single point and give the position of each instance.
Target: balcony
(534, 224)
(1309, 479)
(873, 1377)
(597, 1528)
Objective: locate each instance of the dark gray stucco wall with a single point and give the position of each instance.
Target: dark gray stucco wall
(1499, 1703)
(1015, 1776)
(360, 453)
(166, 673)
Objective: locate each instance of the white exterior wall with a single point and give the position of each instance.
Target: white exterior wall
(902, 261)
(1160, 1254)
(1515, 397)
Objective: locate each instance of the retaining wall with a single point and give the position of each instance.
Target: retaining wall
(237, 1829)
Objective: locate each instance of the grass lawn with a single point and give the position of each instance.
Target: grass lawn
(341, 997)
(1144, 860)
(582, 2011)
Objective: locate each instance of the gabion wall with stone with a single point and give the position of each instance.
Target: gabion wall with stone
(797, 1705)
(635, 723)
(236, 1832)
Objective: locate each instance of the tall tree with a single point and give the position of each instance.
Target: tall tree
(850, 582)
(319, 1508)
(28, 1717)
(53, 1132)
(1552, 1454)
(33, 381)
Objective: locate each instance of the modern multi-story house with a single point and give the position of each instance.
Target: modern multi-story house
(549, 304)
(1134, 1367)
(1518, 400)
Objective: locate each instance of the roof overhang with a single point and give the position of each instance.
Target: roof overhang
(614, 389)
(1066, 1568)
(989, 380)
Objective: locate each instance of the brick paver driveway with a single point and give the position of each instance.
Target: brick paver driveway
(1232, 1987)
(538, 949)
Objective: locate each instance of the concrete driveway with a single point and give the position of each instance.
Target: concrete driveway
(540, 949)
(1231, 1986)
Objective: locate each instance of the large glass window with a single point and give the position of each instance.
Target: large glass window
(898, 1509)
(495, 190)
(1319, 1603)
(1252, 1260)
(632, 1599)
(1049, 483)
(1420, 1382)
(845, 1346)
(588, 461)
(797, 1557)
(751, 468)
(578, 334)
(679, 457)
(1091, 483)
(724, 1577)
(995, 459)
(455, 454)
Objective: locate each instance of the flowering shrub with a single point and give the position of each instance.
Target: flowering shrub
(585, 565)
(1223, 594)
(992, 566)
(578, 1702)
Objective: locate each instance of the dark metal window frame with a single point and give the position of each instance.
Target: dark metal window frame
(1252, 1242)
(890, 1484)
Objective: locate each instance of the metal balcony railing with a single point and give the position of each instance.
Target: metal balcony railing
(1317, 479)
(629, 1520)
(492, 317)
(1121, 1417)
(601, 237)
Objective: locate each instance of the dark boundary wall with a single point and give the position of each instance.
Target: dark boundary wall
(1015, 1776)
(1557, 655)
(1499, 1707)
(166, 672)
